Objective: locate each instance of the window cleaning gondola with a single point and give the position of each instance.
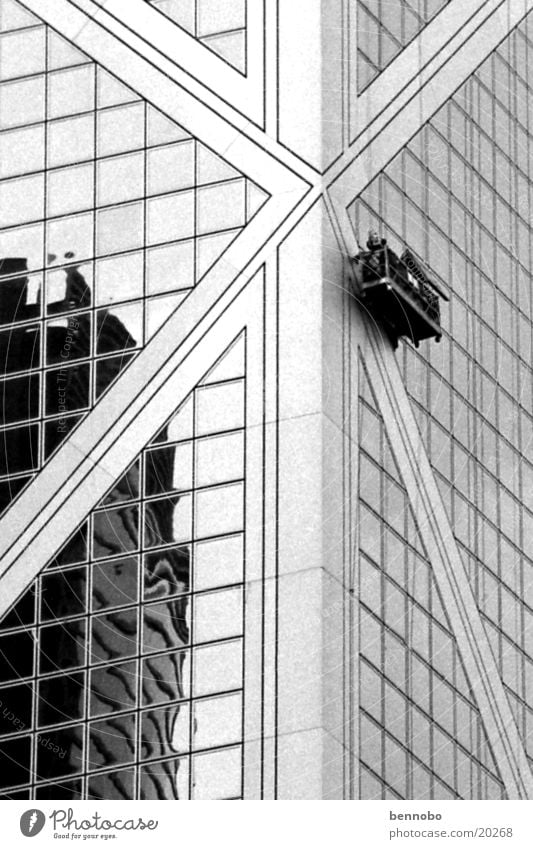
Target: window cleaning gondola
(398, 291)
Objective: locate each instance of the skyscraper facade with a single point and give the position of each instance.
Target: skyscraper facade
(250, 547)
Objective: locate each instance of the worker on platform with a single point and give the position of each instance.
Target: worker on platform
(375, 245)
(375, 242)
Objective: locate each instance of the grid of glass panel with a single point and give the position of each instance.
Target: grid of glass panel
(421, 732)
(460, 195)
(221, 26)
(109, 214)
(384, 28)
(121, 668)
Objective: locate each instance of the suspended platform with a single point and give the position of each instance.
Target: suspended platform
(398, 293)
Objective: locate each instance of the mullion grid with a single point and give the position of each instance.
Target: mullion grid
(400, 37)
(60, 570)
(519, 613)
(478, 319)
(479, 771)
(412, 706)
(477, 465)
(212, 36)
(44, 318)
(89, 616)
(89, 666)
(190, 700)
(384, 628)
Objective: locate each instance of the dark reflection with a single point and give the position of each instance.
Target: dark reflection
(19, 794)
(116, 531)
(10, 488)
(157, 463)
(16, 656)
(63, 594)
(14, 300)
(113, 741)
(77, 293)
(22, 612)
(25, 403)
(15, 759)
(112, 785)
(74, 395)
(59, 753)
(165, 780)
(60, 699)
(165, 625)
(114, 635)
(72, 333)
(16, 711)
(164, 678)
(19, 449)
(62, 790)
(68, 387)
(161, 726)
(62, 646)
(115, 583)
(159, 516)
(166, 573)
(113, 688)
(20, 348)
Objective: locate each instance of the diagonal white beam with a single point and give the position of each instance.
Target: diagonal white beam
(202, 68)
(88, 462)
(110, 438)
(136, 406)
(393, 128)
(417, 62)
(447, 566)
(161, 83)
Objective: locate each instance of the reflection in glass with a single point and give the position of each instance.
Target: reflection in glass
(62, 646)
(115, 583)
(16, 656)
(165, 729)
(165, 677)
(59, 753)
(113, 688)
(165, 780)
(112, 785)
(16, 702)
(61, 699)
(15, 759)
(112, 741)
(68, 339)
(60, 790)
(63, 594)
(114, 635)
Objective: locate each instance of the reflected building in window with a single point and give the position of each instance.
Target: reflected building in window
(249, 549)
